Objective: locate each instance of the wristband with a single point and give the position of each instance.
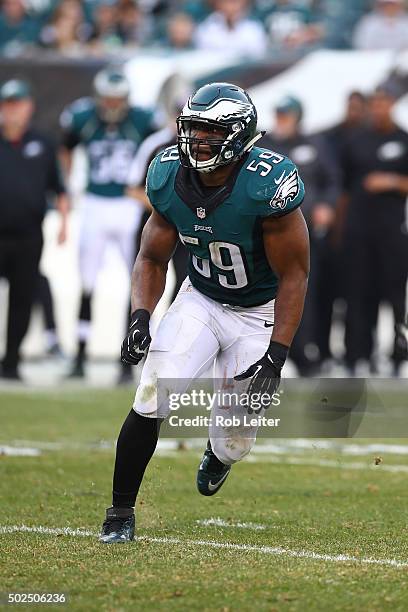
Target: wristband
(140, 315)
(278, 352)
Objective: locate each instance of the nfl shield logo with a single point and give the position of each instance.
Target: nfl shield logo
(201, 213)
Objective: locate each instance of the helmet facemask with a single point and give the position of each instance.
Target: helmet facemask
(207, 152)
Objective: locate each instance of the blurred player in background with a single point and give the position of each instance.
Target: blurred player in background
(44, 300)
(375, 170)
(355, 116)
(173, 94)
(334, 281)
(29, 172)
(110, 130)
(235, 207)
(320, 175)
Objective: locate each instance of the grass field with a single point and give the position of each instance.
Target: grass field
(303, 528)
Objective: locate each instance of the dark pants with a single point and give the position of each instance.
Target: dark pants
(376, 267)
(43, 297)
(323, 288)
(19, 260)
(328, 287)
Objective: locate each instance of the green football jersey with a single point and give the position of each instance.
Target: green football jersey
(222, 227)
(110, 149)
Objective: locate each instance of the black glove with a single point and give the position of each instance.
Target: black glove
(265, 374)
(138, 338)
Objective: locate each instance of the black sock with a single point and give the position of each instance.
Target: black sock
(80, 356)
(136, 444)
(84, 317)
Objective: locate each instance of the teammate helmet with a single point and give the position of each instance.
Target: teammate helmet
(225, 110)
(112, 95)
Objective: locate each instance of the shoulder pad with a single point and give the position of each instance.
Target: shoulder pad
(265, 168)
(275, 183)
(161, 169)
(77, 114)
(144, 119)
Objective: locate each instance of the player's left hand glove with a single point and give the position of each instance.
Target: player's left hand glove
(265, 374)
(137, 341)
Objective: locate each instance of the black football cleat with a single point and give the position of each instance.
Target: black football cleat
(77, 370)
(211, 473)
(119, 526)
(11, 374)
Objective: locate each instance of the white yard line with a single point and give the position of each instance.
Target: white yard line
(19, 451)
(346, 465)
(58, 531)
(338, 445)
(277, 447)
(266, 550)
(219, 522)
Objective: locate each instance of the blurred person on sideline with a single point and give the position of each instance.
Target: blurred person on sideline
(44, 300)
(355, 116)
(320, 176)
(375, 176)
(180, 31)
(198, 11)
(110, 130)
(290, 24)
(386, 27)
(29, 173)
(132, 24)
(105, 34)
(18, 29)
(67, 31)
(332, 268)
(230, 29)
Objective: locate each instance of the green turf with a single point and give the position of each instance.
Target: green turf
(361, 513)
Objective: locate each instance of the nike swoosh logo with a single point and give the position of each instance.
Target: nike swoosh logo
(214, 487)
(280, 179)
(267, 324)
(258, 369)
(271, 360)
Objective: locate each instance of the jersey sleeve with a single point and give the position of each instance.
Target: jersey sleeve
(280, 192)
(70, 134)
(72, 120)
(151, 179)
(55, 178)
(159, 181)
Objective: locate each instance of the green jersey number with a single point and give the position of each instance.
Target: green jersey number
(227, 257)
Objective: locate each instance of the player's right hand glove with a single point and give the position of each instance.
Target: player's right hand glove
(137, 341)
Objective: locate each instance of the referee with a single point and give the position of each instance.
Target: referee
(28, 174)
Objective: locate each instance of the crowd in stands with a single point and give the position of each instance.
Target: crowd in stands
(253, 29)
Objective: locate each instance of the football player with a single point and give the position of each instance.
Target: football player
(236, 208)
(110, 130)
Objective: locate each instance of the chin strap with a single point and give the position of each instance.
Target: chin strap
(247, 147)
(253, 140)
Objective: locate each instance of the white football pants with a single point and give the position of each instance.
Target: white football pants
(195, 333)
(104, 220)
